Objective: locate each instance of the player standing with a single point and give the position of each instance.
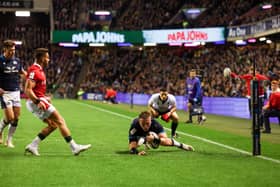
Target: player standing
(194, 95)
(164, 104)
(10, 71)
(40, 106)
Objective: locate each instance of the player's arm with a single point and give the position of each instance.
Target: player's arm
(197, 91)
(133, 144)
(245, 77)
(151, 108)
(262, 77)
(2, 91)
(173, 109)
(29, 85)
(23, 73)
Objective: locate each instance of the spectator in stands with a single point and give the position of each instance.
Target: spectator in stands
(111, 95)
(272, 108)
(248, 78)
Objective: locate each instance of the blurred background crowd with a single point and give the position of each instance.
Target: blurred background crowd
(143, 69)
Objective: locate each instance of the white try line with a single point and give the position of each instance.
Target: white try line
(186, 134)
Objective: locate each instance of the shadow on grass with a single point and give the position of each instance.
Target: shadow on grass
(126, 152)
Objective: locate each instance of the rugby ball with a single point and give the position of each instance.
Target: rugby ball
(227, 72)
(154, 144)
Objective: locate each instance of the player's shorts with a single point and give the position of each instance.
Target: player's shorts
(162, 111)
(199, 102)
(41, 114)
(10, 99)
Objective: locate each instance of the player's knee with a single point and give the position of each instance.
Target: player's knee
(52, 127)
(60, 122)
(10, 120)
(165, 141)
(14, 123)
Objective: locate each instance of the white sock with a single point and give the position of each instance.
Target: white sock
(175, 143)
(12, 130)
(72, 144)
(36, 141)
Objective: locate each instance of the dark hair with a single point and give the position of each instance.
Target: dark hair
(145, 115)
(8, 44)
(163, 89)
(40, 52)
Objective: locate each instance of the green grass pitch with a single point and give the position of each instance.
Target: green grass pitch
(222, 157)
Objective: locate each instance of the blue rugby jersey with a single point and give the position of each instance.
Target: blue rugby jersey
(10, 70)
(135, 131)
(193, 88)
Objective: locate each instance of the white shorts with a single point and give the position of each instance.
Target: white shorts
(10, 99)
(41, 114)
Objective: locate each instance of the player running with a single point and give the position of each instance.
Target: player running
(10, 71)
(39, 104)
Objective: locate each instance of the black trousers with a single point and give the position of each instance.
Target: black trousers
(270, 113)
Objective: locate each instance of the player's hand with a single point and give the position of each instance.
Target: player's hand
(149, 138)
(1, 91)
(42, 106)
(142, 153)
(155, 113)
(48, 98)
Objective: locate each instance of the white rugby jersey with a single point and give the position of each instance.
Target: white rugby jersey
(160, 106)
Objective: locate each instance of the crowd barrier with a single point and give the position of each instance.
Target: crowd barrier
(225, 106)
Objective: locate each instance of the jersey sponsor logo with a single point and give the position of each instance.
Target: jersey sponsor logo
(133, 131)
(31, 75)
(12, 69)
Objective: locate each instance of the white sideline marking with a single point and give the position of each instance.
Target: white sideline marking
(186, 134)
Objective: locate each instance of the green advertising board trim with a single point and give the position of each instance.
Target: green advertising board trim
(97, 36)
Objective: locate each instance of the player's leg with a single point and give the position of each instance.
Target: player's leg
(164, 141)
(57, 119)
(175, 120)
(33, 146)
(266, 115)
(13, 126)
(9, 118)
(14, 105)
(3, 123)
(6, 106)
(189, 105)
(250, 107)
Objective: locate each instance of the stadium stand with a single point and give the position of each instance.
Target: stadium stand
(142, 69)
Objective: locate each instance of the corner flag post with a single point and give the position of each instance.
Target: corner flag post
(255, 102)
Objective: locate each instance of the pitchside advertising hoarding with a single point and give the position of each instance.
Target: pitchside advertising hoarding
(139, 37)
(184, 35)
